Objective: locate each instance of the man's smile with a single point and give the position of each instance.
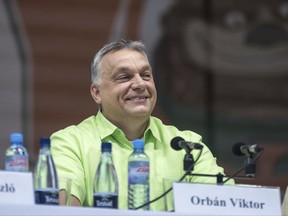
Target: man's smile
(137, 98)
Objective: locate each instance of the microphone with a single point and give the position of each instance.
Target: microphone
(178, 143)
(240, 149)
(251, 152)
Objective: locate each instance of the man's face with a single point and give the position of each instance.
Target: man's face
(127, 87)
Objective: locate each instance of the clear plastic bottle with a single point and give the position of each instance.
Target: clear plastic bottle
(138, 177)
(106, 182)
(45, 176)
(17, 158)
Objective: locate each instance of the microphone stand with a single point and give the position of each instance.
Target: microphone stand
(249, 167)
(219, 177)
(189, 167)
(188, 161)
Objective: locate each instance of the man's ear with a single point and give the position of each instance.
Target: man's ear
(95, 92)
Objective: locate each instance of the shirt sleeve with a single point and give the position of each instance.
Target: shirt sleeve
(67, 157)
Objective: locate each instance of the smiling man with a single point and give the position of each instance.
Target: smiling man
(123, 87)
(126, 92)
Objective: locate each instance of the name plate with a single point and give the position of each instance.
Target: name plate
(208, 199)
(16, 188)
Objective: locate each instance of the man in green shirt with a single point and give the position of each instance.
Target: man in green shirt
(124, 89)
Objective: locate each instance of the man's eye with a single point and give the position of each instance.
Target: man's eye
(124, 77)
(146, 76)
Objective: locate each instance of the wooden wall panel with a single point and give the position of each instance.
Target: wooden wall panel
(64, 36)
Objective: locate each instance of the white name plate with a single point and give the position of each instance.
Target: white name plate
(209, 199)
(16, 188)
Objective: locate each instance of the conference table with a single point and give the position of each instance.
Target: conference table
(46, 210)
(17, 198)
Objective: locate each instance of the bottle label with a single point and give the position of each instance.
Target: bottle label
(47, 196)
(17, 163)
(106, 200)
(138, 172)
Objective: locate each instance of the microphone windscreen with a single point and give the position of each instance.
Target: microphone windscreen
(175, 143)
(236, 149)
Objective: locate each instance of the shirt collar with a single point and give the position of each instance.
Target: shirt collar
(152, 128)
(107, 128)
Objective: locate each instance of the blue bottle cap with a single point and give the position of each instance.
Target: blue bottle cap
(45, 142)
(106, 146)
(16, 138)
(138, 144)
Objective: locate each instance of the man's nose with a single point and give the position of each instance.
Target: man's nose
(138, 83)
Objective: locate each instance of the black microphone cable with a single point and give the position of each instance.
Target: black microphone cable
(166, 192)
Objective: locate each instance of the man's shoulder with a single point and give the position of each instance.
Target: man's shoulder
(83, 127)
(168, 130)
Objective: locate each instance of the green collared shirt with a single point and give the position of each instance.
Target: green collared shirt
(76, 151)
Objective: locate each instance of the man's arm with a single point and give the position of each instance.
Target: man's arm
(73, 200)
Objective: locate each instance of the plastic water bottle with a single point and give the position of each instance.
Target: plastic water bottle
(17, 158)
(106, 182)
(45, 176)
(138, 177)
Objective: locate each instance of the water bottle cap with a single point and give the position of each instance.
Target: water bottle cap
(44, 142)
(16, 138)
(138, 144)
(106, 146)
